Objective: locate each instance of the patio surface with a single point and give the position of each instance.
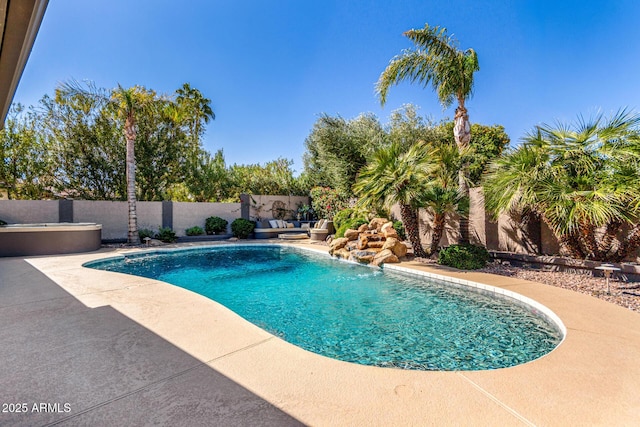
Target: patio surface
(133, 351)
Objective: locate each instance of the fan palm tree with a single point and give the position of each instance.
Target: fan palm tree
(127, 104)
(441, 197)
(577, 180)
(396, 175)
(437, 61)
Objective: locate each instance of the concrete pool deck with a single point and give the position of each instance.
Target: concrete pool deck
(592, 378)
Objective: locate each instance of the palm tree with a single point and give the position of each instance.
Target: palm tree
(198, 109)
(396, 175)
(577, 180)
(441, 197)
(438, 61)
(127, 104)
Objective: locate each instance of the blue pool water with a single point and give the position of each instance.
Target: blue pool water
(352, 312)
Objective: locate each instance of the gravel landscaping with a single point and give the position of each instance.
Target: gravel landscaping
(622, 293)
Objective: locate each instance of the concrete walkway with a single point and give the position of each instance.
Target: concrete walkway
(62, 363)
(592, 378)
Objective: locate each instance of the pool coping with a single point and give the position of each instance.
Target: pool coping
(591, 378)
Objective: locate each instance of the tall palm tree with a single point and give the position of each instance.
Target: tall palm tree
(396, 175)
(577, 179)
(197, 107)
(127, 104)
(437, 61)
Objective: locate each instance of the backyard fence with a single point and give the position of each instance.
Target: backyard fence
(151, 215)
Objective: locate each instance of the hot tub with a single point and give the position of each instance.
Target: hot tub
(49, 238)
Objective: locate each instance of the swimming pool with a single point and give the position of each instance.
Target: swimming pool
(352, 312)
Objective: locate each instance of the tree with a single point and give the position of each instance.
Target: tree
(127, 105)
(441, 197)
(397, 175)
(488, 143)
(26, 168)
(438, 61)
(86, 149)
(337, 149)
(272, 178)
(196, 113)
(577, 179)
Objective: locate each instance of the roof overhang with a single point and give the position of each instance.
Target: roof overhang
(19, 23)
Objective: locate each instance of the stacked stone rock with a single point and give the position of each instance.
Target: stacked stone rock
(374, 243)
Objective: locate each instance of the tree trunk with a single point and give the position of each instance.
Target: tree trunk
(629, 246)
(412, 227)
(609, 236)
(589, 243)
(462, 135)
(130, 135)
(570, 243)
(438, 229)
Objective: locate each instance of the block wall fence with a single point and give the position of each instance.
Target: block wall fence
(502, 235)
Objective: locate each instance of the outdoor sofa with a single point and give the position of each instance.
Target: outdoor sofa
(270, 229)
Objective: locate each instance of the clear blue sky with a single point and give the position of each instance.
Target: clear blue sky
(271, 67)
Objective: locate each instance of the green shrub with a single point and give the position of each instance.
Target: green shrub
(464, 257)
(145, 232)
(326, 202)
(2, 222)
(242, 228)
(215, 224)
(194, 231)
(353, 224)
(399, 227)
(166, 234)
(340, 217)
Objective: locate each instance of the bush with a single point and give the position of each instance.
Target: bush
(326, 202)
(399, 227)
(194, 231)
(242, 228)
(215, 224)
(464, 257)
(350, 224)
(2, 222)
(145, 232)
(340, 217)
(166, 234)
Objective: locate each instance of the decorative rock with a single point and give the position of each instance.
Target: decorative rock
(398, 248)
(377, 223)
(375, 244)
(385, 256)
(390, 233)
(363, 241)
(386, 226)
(342, 253)
(363, 228)
(364, 257)
(390, 243)
(351, 234)
(375, 237)
(338, 243)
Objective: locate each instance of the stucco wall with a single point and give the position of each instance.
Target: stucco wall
(187, 215)
(114, 216)
(262, 206)
(29, 211)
